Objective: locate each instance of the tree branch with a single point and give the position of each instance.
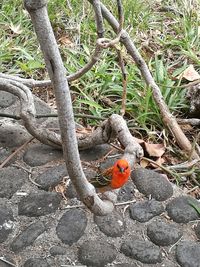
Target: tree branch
(39, 16)
(168, 118)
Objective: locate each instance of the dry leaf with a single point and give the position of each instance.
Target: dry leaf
(15, 28)
(144, 163)
(189, 74)
(155, 150)
(65, 40)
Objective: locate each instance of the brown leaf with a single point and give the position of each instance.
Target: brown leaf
(144, 163)
(155, 150)
(189, 74)
(65, 40)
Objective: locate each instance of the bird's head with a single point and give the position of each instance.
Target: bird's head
(122, 167)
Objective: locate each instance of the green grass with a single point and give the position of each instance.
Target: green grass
(168, 41)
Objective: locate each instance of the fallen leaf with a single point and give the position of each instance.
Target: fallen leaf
(144, 163)
(15, 28)
(155, 150)
(65, 40)
(189, 74)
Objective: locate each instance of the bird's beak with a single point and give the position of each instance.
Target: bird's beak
(121, 169)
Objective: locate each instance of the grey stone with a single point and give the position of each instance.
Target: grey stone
(71, 226)
(57, 250)
(197, 230)
(126, 192)
(180, 209)
(40, 154)
(6, 222)
(11, 179)
(41, 107)
(12, 134)
(6, 99)
(36, 262)
(51, 177)
(96, 253)
(164, 234)
(145, 210)
(111, 225)
(152, 183)
(143, 251)
(38, 204)
(94, 153)
(27, 236)
(188, 254)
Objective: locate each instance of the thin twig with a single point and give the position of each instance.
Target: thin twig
(193, 122)
(117, 147)
(175, 244)
(116, 204)
(52, 115)
(125, 203)
(162, 167)
(7, 262)
(192, 189)
(185, 165)
(124, 81)
(15, 153)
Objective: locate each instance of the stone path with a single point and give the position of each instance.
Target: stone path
(39, 229)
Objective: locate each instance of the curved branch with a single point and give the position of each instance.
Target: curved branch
(27, 112)
(72, 77)
(39, 16)
(98, 18)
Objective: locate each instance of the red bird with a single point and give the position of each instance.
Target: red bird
(113, 177)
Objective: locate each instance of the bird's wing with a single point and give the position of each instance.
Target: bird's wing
(102, 179)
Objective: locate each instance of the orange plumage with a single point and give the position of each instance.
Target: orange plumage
(113, 177)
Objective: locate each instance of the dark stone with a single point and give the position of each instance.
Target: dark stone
(164, 234)
(94, 153)
(6, 99)
(6, 222)
(126, 192)
(36, 262)
(27, 236)
(197, 230)
(180, 209)
(188, 254)
(112, 224)
(11, 179)
(57, 250)
(145, 210)
(51, 177)
(71, 226)
(39, 204)
(96, 253)
(149, 182)
(12, 134)
(143, 251)
(40, 154)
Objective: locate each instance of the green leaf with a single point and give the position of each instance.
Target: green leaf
(194, 206)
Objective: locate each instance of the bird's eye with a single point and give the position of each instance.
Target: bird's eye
(118, 166)
(126, 168)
